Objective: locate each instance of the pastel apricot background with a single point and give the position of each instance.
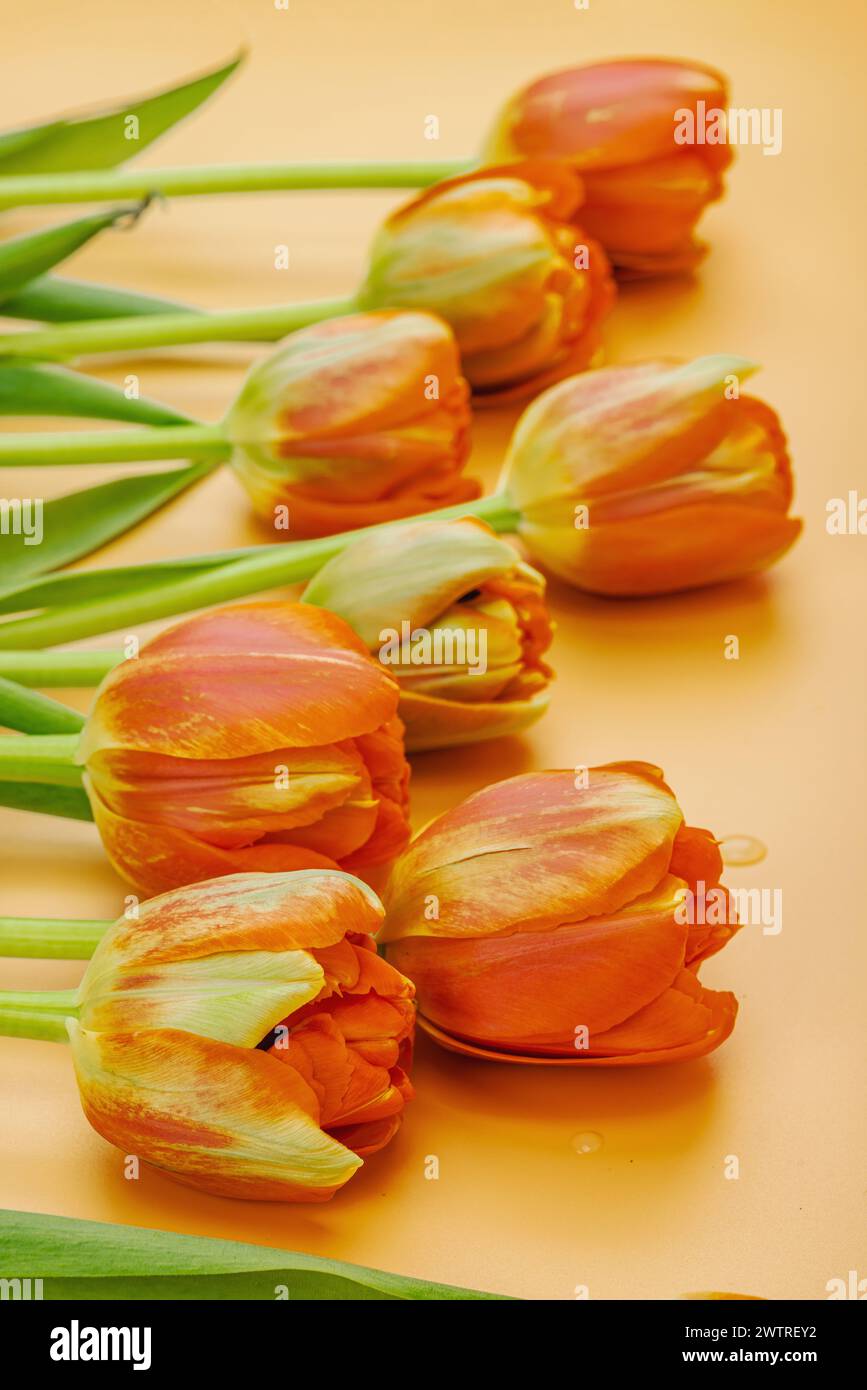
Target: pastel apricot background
(771, 745)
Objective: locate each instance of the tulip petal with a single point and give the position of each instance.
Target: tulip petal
(533, 852)
(618, 429)
(683, 1016)
(437, 723)
(533, 991)
(349, 1088)
(188, 693)
(228, 1121)
(706, 543)
(155, 858)
(607, 114)
(412, 573)
(721, 1005)
(232, 802)
(239, 977)
(236, 997)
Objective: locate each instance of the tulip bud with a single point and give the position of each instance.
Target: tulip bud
(456, 617)
(258, 737)
(619, 125)
(648, 479)
(547, 917)
(354, 421)
(494, 254)
(243, 1035)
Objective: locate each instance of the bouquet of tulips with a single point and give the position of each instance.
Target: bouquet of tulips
(249, 1028)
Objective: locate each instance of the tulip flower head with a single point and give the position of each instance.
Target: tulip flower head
(647, 479)
(618, 124)
(243, 1035)
(457, 618)
(354, 421)
(260, 737)
(494, 254)
(544, 919)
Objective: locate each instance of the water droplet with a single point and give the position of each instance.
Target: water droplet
(588, 1142)
(742, 849)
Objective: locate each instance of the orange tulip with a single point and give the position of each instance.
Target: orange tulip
(647, 479)
(354, 421)
(243, 1035)
(615, 124)
(256, 737)
(545, 919)
(457, 618)
(495, 255)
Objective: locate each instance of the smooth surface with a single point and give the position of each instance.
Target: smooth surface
(527, 1200)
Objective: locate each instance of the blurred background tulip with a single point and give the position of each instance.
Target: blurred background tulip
(243, 1035)
(258, 737)
(627, 125)
(546, 918)
(496, 255)
(354, 421)
(615, 123)
(459, 620)
(651, 478)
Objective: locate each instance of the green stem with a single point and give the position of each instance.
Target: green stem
(114, 446)
(98, 185)
(50, 938)
(274, 565)
(36, 1014)
(32, 713)
(44, 758)
(169, 330)
(66, 669)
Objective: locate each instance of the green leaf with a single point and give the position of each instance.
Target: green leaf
(94, 1260)
(65, 590)
(24, 258)
(80, 522)
(70, 802)
(100, 139)
(35, 388)
(31, 713)
(51, 299)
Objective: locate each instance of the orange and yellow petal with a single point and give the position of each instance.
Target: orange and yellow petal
(230, 1121)
(534, 991)
(535, 851)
